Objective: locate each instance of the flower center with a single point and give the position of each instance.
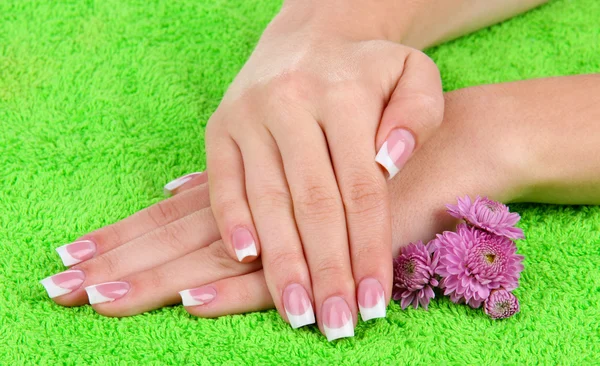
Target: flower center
(486, 258)
(409, 267)
(502, 307)
(491, 207)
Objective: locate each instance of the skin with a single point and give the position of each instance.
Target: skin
(504, 141)
(291, 148)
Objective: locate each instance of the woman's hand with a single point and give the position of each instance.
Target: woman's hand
(292, 163)
(174, 245)
(295, 74)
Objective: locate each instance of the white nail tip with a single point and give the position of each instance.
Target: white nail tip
(377, 311)
(335, 333)
(174, 184)
(384, 159)
(246, 252)
(297, 321)
(65, 257)
(53, 289)
(188, 300)
(95, 297)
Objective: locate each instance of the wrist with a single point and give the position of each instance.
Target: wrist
(353, 19)
(482, 116)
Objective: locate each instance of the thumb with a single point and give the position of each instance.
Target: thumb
(414, 112)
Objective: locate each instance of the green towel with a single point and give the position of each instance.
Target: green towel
(103, 102)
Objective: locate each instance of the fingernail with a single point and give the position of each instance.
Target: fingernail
(337, 319)
(63, 283)
(371, 299)
(243, 243)
(174, 184)
(297, 306)
(198, 296)
(396, 151)
(76, 252)
(107, 292)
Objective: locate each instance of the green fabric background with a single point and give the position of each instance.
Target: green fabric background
(102, 102)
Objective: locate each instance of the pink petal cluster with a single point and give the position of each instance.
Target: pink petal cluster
(478, 264)
(473, 262)
(414, 279)
(488, 215)
(501, 304)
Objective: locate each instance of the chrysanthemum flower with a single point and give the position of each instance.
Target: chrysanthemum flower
(488, 215)
(473, 262)
(414, 271)
(501, 304)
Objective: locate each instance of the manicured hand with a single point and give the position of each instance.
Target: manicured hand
(174, 245)
(292, 155)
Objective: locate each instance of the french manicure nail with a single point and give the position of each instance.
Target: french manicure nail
(174, 184)
(396, 151)
(76, 252)
(337, 319)
(198, 296)
(243, 243)
(107, 292)
(63, 283)
(298, 307)
(371, 299)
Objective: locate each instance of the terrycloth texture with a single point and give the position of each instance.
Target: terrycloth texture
(102, 102)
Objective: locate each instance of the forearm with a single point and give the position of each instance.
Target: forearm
(547, 131)
(415, 23)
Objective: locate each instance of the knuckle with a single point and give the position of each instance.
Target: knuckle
(280, 262)
(224, 205)
(365, 193)
(273, 198)
(346, 93)
(221, 258)
(425, 111)
(170, 238)
(162, 213)
(107, 265)
(156, 280)
(372, 253)
(290, 86)
(330, 269)
(317, 202)
(422, 58)
(243, 294)
(214, 125)
(431, 107)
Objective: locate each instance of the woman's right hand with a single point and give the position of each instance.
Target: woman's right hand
(295, 152)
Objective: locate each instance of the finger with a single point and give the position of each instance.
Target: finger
(320, 219)
(112, 236)
(364, 194)
(233, 295)
(228, 198)
(160, 286)
(412, 115)
(159, 246)
(283, 260)
(185, 182)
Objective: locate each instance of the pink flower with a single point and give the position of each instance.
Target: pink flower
(414, 279)
(501, 304)
(488, 215)
(473, 262)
